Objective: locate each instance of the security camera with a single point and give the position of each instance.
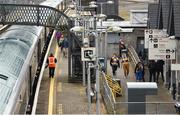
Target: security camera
(172, 37)
(86, 42)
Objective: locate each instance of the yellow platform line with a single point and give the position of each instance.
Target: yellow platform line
(51, 91)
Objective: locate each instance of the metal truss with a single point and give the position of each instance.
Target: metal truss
(21, 14)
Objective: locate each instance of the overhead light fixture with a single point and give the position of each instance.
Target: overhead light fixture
(93, 6)
(92, 2)
(77, 29)
(114, 29)
(110, 2)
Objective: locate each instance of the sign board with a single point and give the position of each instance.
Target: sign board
(88, 54)
(152, 35)
(159, 44)
(162, 43)
(175, 66)
(157, 54)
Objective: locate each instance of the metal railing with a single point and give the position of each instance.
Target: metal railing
(107, 95)
(133, 55)
(114, 107)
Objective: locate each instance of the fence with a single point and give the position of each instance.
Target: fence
(114, 107)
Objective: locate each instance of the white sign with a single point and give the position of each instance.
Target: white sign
(88, 54)
(151, 35)
(175, 66)
(163, 43)
(157, 54)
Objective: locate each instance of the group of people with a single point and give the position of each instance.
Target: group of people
(155, 69)
(114, 62)
(51, 61)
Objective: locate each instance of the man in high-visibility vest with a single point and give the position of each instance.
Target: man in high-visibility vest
(114, 62)
(51, 61)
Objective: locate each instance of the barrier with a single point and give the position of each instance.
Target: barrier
(133, 55)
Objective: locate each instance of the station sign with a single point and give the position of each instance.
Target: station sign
(159, 44)
(88, 54)
(151, 35)
(158, 54)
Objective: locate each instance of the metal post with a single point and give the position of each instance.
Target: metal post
(101, 7)
(89, 89)
(97, 74)
(171, 80)
(105, 52)
(84, 63)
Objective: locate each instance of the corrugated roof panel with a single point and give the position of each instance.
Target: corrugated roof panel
(152, 15)
(165, 11)
(176, 6)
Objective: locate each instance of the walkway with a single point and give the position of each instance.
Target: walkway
(162, 96)
(68, 98)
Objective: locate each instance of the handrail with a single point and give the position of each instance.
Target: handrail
(133, 55)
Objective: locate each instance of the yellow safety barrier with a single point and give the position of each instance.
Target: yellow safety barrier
(114, 85)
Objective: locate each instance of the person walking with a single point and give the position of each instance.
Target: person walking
(114, 62)
(65, 47)
(159, 68)
(125, 65)
(58, 37)
(152, 70)
(51, 63)
(139, 72)
(143, 70)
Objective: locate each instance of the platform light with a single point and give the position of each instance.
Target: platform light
(77, 29)
(114, 29)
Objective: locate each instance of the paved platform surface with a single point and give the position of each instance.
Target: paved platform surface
(68, 98)
(163, 96)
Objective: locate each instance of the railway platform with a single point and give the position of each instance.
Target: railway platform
(58, 96)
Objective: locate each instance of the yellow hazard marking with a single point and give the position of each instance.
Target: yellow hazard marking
(59, 87)
(51, 91)
(59, 109)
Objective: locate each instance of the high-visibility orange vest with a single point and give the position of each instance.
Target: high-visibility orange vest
(51, 62)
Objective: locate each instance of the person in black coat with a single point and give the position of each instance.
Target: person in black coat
(152, 70)
(159, 68)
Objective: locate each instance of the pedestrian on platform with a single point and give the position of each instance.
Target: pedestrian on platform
(139, 72)
(51, 62)
(114, 62)
(125, 65)
(143, 70)
(58, 37)
(65, 47)
(152, 70)
(61, 44)
(159, 68)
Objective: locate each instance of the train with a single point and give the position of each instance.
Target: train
(20, 53)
